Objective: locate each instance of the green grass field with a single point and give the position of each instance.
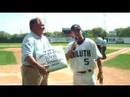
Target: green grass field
(58, 44)
(121, 61)
(10, 45)
(117, 46)
(7, 57)
(111, 50)
(18, 45)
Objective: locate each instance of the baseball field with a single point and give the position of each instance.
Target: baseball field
(116, 67)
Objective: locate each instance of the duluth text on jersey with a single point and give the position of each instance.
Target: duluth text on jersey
(82, 53)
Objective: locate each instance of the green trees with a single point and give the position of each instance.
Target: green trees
(99, 31)
(4, 34)
(118, 32)
(95, 32)
(121, 32)
(55, 34)
(8, 38)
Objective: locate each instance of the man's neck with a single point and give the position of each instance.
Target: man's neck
(80, 41)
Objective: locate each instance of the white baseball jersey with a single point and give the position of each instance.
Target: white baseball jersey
(104, 42)
(99, 41)
(85, 55)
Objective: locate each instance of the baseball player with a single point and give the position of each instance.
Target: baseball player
(83, 54)
(99, 41)
(104, 47)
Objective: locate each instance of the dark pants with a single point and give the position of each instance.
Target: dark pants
(99, 48)
(104, 52)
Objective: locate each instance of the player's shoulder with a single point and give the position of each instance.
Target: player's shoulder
(105, 40)
(89, 40)
(100, 38)
(97, 39)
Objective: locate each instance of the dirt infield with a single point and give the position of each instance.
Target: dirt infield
(10, 74)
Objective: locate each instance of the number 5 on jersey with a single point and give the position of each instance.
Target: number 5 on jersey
(86, 61)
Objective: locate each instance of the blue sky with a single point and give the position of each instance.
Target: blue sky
(19, 22)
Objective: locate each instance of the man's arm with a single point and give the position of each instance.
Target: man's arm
(70, 53)
(100, 73)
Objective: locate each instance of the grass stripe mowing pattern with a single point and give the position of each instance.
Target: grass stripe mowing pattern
(122, 61)
(7, 57)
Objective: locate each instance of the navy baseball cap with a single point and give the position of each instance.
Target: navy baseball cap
(75, 27)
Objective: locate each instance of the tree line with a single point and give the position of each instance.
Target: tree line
(5, 37)
(8, 38)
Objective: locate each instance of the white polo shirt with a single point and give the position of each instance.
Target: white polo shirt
(33, 44)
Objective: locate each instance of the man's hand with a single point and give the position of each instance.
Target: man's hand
(100, 77)
(70, 53)
(43, 69)
(73, 47)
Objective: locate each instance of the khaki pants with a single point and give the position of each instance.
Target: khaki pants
(31, 76)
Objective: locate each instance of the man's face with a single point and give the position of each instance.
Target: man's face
(77, 34)
(39, 27)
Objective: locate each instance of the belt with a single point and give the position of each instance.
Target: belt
(89, 70)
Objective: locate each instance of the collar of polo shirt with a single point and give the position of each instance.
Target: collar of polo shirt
(36, 36)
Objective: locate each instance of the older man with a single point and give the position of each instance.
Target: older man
(35, 42)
